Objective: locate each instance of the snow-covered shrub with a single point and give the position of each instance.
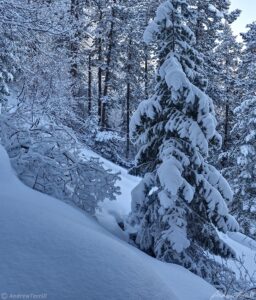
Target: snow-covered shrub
(46, 158)
(112, 145)
(109, 144)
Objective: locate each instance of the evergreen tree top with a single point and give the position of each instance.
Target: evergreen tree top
(249, 37)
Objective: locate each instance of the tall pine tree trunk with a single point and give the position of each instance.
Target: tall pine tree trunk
(89, 84)
(108, 69)
(99, 42)
(128, 98)
(146, 71)
(74, 11)
(226, 125)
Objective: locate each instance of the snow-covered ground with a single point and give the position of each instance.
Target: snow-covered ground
(245, 249)
(56, 251)
(112, 211)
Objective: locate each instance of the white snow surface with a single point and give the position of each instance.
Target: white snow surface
(48, 247)
(244, 247)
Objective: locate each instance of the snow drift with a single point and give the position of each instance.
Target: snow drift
(50, 248)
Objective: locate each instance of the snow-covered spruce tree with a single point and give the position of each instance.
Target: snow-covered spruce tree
(4, 91)
(211, 20)
(181, 201)
(227, 56)
(5, 76)
(8, 46)
(248, 65)
(243, 171)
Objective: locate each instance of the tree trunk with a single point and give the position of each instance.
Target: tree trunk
(74, 45)
(146, 72)
(226, 127)
(99, 73)
(108, 69)
(128, 98)
(89, 84)
(128, 95)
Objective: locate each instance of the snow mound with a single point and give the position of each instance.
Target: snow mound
(245, 249)
(50, 248)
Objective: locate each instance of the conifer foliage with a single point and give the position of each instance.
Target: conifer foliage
(182, 200)
(244, 171)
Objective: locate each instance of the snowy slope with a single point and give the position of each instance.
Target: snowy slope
(114, 211)
(244, 247)
(127, 183)
(48, 247)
